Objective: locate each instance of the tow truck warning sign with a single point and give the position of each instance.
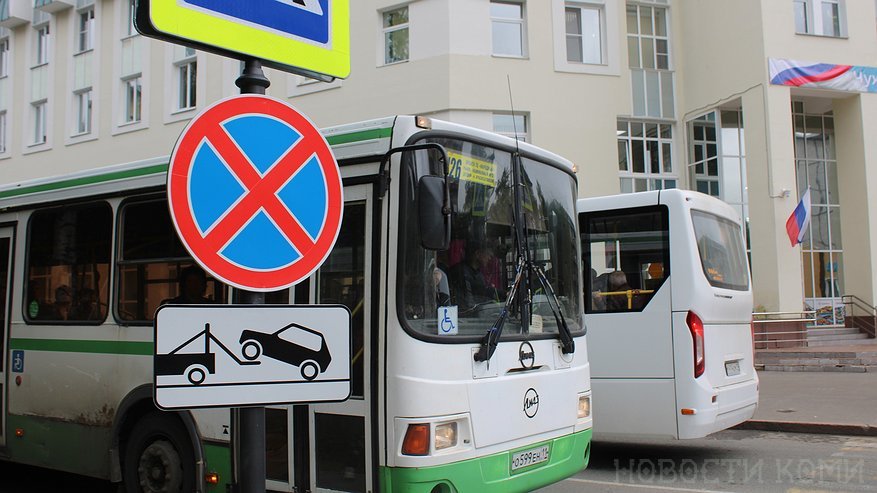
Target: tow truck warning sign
(248, 355)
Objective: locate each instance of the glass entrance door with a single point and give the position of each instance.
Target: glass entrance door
(340, 438)
(5, 293)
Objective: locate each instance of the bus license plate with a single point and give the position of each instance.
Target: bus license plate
(732, 368)
(529, 457)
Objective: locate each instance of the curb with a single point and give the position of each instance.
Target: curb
(815, 428)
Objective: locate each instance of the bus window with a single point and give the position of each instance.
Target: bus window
(720, 244)
(150, 261)
(626, 257)
(68, 254)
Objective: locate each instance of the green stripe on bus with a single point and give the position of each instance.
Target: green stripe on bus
(79, 346)
(492, 474)
(85, 180)
(377, 133)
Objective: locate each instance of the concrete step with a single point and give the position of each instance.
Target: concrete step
(861, 341)
(831, 331)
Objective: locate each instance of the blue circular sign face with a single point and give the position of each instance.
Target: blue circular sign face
(255, 193)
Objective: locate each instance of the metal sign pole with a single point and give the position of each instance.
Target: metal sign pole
(251, 420)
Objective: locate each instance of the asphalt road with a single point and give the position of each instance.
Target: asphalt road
(736, 460)
(732, 461)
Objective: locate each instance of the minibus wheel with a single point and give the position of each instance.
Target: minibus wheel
(159, 457)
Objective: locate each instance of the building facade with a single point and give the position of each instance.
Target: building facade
(640, 94)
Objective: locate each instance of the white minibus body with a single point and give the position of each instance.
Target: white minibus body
(668, 305)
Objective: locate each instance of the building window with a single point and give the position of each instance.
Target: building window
(584, 33)
(703, 155)
(4, 57)
(648, 51)
(86, 30)
(645, 156)
(822, 248)
(395, 28)
(3, 128)
(38, 112)
(507, 21)
(717, 159)
(133, 99)
(41, 48)
(186, 68)
(514, 126)
(82, 101)
(820, 17)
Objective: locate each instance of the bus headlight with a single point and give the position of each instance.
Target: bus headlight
(445, 435)
(584, 406)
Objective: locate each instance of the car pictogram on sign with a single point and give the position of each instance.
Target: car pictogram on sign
(293, 344)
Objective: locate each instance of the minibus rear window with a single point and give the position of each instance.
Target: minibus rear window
(722, 255)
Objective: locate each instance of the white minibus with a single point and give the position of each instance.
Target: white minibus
(668, 305)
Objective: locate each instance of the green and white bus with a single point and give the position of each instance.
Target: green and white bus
(466, 375)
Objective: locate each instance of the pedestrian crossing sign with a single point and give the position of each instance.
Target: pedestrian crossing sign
(309, 37)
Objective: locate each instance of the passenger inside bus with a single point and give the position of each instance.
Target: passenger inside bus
(63, 303)
(192, 284)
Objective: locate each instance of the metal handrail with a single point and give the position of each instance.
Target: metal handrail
(805, 317)
(853, 302)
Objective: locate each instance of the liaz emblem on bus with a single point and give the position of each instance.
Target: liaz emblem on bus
(531, 403)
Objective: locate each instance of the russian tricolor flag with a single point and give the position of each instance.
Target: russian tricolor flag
(797, 223)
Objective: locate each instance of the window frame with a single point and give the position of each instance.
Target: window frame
(30, 257)
(185, 70)
(518, 134)
(4, 129)
(42, 44)
(79, 128)
(387, 31)
(581, 35)
(610, 37)
(662, 143)
(127, 117)
(814, 20)
(85, 29)
(5, 54)
(39, 118)
(520, 21)
(585, 232)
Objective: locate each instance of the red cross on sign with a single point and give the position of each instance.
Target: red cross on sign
(255, 193)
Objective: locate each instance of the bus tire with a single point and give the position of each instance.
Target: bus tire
(159, 457)
(309, 370)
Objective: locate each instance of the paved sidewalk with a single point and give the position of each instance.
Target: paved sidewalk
(816, 402)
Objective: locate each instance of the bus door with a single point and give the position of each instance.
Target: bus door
(5, 294)
(340, 442)
(628, 316)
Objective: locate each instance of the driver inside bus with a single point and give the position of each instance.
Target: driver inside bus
(470, 287)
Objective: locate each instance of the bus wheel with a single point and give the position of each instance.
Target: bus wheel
(159, 457)
(309, 370)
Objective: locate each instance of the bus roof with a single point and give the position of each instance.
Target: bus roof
(349, 141)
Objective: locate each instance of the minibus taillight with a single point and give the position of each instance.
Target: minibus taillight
(416, 440)
(695, 325)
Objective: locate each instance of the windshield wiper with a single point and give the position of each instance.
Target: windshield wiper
(491, 339)
(568, 345)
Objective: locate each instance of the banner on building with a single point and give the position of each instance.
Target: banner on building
(848, 78)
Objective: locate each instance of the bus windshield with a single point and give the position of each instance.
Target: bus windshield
(720, 244)
(458, 294)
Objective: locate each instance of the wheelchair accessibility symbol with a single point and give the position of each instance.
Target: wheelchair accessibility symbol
(447, 320)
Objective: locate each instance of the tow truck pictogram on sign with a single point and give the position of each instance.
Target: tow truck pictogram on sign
(234, 355)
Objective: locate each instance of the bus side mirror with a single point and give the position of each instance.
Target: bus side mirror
(435, 221)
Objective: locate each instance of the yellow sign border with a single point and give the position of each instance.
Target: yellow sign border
(171, 18)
